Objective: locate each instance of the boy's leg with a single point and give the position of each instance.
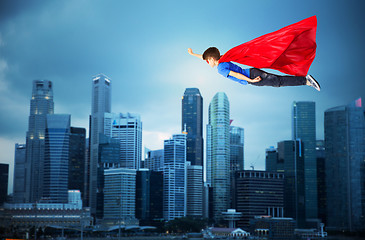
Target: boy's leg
(273, 80)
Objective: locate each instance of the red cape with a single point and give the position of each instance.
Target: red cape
(290, 50)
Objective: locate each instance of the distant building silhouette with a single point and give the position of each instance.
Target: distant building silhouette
(344, 128)
(304, 128)
(19, 191)
(41, 104)
(218, 153)
(4, 179)
(100, 104)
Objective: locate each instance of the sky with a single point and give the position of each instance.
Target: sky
(142, 47)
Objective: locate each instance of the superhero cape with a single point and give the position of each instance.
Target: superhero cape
(290, 50)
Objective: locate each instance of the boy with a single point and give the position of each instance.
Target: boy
(252, 76)
(290, 50)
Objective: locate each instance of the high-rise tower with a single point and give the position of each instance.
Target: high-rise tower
(304, 129)
(41, 104)
(101, 104)
(192, 122)
(344, 132)
(218, 153)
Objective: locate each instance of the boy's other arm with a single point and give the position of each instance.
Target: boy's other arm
(243, 77)
(195, 54)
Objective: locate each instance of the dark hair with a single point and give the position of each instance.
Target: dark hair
(212, 52)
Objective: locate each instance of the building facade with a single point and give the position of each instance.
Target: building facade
(345, 154)
(194, 190)
(192, 123)
(174, 177)
(290, 162)
(127, 128)
(19, 173)
(154, 160)
(120, 196)
(41, 104)
(258, 193)
(4, 179)
(149, 196)
(100, 104)
(218, 153)
(56, 158)
(304, 129)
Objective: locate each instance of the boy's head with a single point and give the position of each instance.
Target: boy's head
(212, 52)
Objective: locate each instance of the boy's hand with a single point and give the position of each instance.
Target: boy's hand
(190, 51)
(256, 79)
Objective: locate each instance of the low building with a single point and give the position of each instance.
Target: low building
(273, 228)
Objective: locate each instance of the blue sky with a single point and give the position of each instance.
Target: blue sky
(142, 47)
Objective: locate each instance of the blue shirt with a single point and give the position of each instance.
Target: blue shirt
(225, 67)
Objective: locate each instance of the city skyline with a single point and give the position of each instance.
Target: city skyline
(29, 51)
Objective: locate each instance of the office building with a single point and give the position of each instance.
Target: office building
(236, 157)
(149, 196)
(19, 173)
(4, 179)
(290, 162)
(344, 131)
(56, 158)
(41, 104)
(154, 160)
(108, 157)
(127, 128)
(321, 181)
(194, 190)
(174, 177)
(258, 193)
(100, 104)
(218, 153)
(192, 123)
(304, 129)
(120, 196)
(77, 158)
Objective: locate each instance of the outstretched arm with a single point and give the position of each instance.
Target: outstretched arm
(243, 77)
(195, 54)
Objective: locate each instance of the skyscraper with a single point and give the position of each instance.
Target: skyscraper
(154, 160)
(127, 128)
(56, 158)
(321, 181)
(41, 104)
(194, 191)
(304, 128)
(77, 158)
(4, 178)
(258, 193)
(120, 196)
(149, 196)
(19, 173)
(101, 104)
(344, 128)
(236, 157)
(174, 177)
(218, 153)
(192, 120)
(288, 159)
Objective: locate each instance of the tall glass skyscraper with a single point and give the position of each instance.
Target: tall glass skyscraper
(41, 104)
(192, 120)
(194, 191)
(237, 157)
(19, 173)
(101, 104)
(127, 128)
(304, 128)
(57, 143)
(345, 167)
(154, 160)
(174, 177)
(77, 158)
(218, 153)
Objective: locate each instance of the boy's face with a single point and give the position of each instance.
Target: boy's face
(212, 62)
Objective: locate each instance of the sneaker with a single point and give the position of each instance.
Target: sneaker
(313, 82)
